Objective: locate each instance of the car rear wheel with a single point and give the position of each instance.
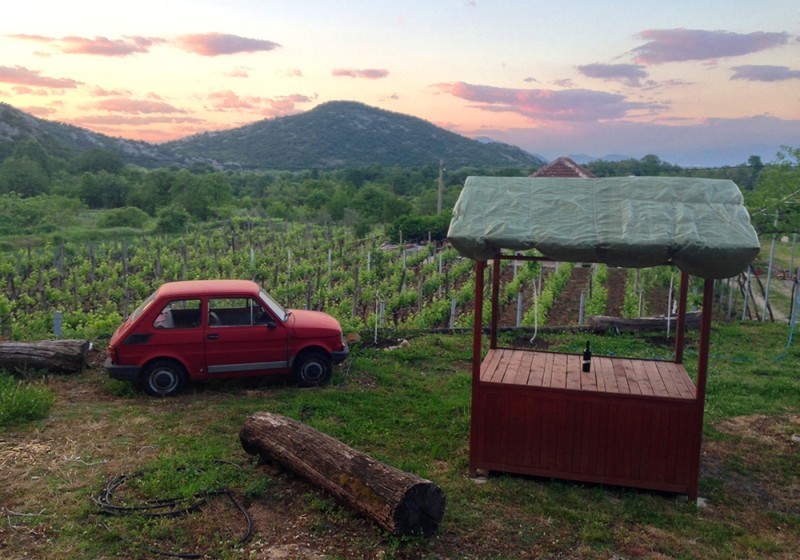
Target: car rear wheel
(164, 378)
(313, 368)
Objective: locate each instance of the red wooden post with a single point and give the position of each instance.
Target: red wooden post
(680, 328)
(495, 304)
(480, 267)
(702, 371)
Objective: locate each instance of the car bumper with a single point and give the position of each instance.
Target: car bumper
(124, 373)
(339, 357)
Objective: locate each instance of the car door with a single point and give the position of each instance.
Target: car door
(243, 338)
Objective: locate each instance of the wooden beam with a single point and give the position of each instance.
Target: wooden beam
(495, 302)
(680, 328)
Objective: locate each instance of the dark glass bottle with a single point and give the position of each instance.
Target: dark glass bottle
(587, 357)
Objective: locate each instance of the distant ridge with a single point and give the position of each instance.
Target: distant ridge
(337, 134)
(347, 134)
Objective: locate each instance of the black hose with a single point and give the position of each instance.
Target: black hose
(169, 507)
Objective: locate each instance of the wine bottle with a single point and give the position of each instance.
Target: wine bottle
(587, 358)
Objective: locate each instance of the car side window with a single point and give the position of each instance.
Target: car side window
(179, 314)
(236, 312)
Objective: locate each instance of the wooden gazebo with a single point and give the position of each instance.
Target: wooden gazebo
(626, 422)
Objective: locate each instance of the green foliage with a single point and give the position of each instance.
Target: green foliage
(22, 401)
(417, 228)
(123, 217)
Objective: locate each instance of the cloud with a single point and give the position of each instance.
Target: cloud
(628, 74)
(215, 44)
(23, 76)
(135, 121)
(101, 46)
(268, 106)
(293, 73)
(549, 105)
(764, 73)
(711, 142)
(677, 45)
(368, 73)
(240, 72)
(136, 106)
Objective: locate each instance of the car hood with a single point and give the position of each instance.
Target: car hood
(307, 324)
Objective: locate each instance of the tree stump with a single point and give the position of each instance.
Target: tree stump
(63, 356)
(400, 502)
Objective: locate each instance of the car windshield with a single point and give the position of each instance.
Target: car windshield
(274, 306)
(142, 306)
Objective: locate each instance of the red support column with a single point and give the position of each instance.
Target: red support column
(495, 302)
(702, 371)
(480, 267)
(680, 328)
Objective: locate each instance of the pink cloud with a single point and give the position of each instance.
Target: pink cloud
(677, 45)
(278, 106)
(549, 105)
(100, 92)
(628, 74)
(368, 73)
(240, 72)
(214, 44)
(101, 46)
(23, 76)
(39, 111)
(764, 73)
(136, 106)
(25, 90)
(134, 121)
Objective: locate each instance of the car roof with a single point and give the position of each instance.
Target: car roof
(207, 287)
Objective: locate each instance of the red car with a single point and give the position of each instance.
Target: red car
(219, 329)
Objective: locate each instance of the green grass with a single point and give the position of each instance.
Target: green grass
(22, 401)
(410, 408)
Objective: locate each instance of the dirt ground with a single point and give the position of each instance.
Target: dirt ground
(83, 442)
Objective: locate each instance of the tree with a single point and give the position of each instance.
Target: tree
(99, 160)
(777, 194)
(23, 176)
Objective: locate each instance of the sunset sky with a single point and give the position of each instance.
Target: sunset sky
(696, 82)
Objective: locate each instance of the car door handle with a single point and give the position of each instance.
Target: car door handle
(213, 337)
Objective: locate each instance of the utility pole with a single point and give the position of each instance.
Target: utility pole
(441, 188)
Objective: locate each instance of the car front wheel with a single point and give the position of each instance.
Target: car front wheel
(164, 378)
(312, 369)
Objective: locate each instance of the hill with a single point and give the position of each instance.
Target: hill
(347, 134)
(63, 140)
(333, 135)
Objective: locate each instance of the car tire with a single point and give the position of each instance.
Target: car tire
(313, 368)
(164, 378)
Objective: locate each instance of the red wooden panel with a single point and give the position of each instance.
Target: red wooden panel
(620, 377)
(573, 371)
(651, 370)
(547, 380)
(606, 380)
(588, 380)
(559, 379)
(519, 368)
(489, 364)
(536, 377)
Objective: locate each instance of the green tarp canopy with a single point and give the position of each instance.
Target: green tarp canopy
(699, 225)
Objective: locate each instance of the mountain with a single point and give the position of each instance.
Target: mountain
(336, 134)
(347, 134)
(65, 140)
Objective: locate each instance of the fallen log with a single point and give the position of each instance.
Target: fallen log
(62, 356)
(620, 324)
(400, 502)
